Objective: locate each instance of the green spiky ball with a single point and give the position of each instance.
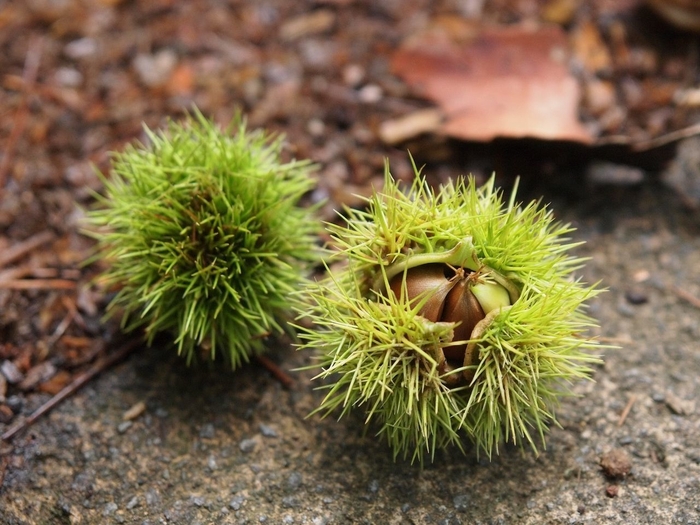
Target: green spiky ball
(204, 236)
(379, 353)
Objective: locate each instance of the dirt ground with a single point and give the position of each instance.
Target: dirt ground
(153, 441)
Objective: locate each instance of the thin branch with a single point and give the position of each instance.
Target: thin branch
(687, 296)
(29, 74)
(279, 374)
(99, 367)
(626, 410)
(22, 248)
(38, 284)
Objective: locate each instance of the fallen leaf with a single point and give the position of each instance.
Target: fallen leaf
(496, 82)
(57, 383)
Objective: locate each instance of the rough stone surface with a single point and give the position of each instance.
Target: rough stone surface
(198, 454)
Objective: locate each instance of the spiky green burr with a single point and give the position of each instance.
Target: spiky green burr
(414, 268)
(204, 236)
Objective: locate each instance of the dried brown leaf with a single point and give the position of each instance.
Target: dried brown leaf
(498, 82)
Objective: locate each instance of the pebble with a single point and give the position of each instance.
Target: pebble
(133, 502)
(80, 48)
(155, 70)
(625, 309)
(109, 509)
(11, 372)
(123, 427)
(679, 406)
(247, 445)
(289, 502)
(612, 491)
(267, 431)
(616, 464)
(207, 431)
(294, 480)
(237, 502)
(6, 414)
(68, 77)
(636, 296)
(152, 497)
(658, 397)
(370, 94)
(461, 502)
(16, 403)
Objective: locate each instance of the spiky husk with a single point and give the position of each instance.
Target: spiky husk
(204, 236)
(376, 352)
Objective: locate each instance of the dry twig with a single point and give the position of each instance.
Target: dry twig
(276, 371)
(626, 410)
(24, 247)
(38, 284)
(99, 367)
(687, 296)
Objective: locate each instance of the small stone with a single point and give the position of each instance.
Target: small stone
(679, 406)
(612, 491)
(6, 413)
(123, 427)
(247, 445)
(294, 480)
(155, 70)
(16, 403)
(237, 502)
(68, 77)
(636, 296)
(625, 310)
(461, 502)
(80, 48)
(289, 502)
(133, 502)
(374, 486)
(109, 509)
(207, 431)
(198, 501)
(616, 464)
(267, 431)
(658, 397)
(11, 372)
(152, 497)
(353, 75)
(370, 94)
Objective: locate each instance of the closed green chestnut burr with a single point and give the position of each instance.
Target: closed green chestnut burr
(204, 237)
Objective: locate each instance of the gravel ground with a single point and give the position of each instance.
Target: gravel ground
(216, 447)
